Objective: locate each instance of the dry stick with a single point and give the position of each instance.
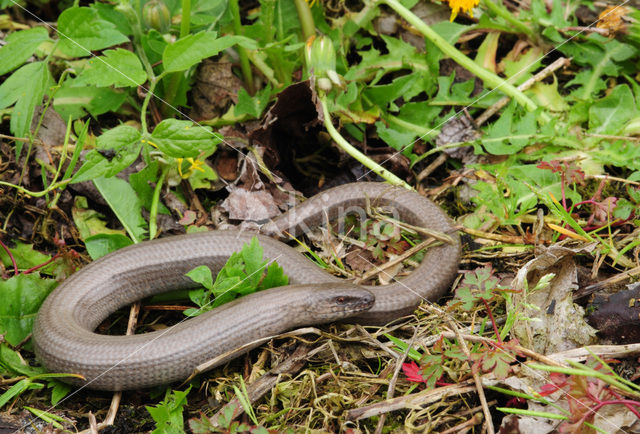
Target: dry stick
(476, 378)
(392, 384)
(467, 412)
(561, 62)
(432, 167)
(407, 254)
(475, 420)
(511, 239)
(412, 401)
(587, 290)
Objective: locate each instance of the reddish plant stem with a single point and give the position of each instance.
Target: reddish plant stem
(493, 322)
(629, 406)
(612, 402)
(13, 260)
(32, 269)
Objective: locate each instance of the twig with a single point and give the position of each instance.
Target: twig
(494, 237)
(392, 384)
(431, 167)
(524, 86)
(476, 378)
(407, 254)
(410, 401)
(475, 420)
(604, 351)
(587, 290)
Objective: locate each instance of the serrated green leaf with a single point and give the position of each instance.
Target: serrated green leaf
(183, 139)
(168, 414)
(26, 87)
(22, 296)
(201, 275)
(252, 105)
(610, 114)
(83, 31)
(118, 68)
(19, 47)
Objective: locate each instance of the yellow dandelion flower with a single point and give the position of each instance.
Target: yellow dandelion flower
(462, 5)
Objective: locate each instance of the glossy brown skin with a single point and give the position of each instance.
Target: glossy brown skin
(63, 332)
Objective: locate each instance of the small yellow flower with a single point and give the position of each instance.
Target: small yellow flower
(462, 5)
(193, 165)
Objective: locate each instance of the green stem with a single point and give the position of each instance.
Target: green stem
(489, 78)
(185, 22)
(349, 149)
(145, 104)
(245, 66)
(306, 19)
(37, 193)
(503, 13)
(174, 79)
(153, 212)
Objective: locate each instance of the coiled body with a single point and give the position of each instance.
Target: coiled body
(63, 332)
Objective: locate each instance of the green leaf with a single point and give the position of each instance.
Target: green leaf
(275, 277)
(119, 68)
(125, 204)
(83, 31)
(12, 361)
(252, 105)
(183, 139)
(201, 275)
(18, 389)
(168, 414)
(59, 391)
(19, 47)
(188, 51)
(22, 296)
(26, 87)
(118, 148)
(610, 114)
(513, 131)
(77, 101)
(24, 256)
(141, 182)
(102, 244)
(243, 273)
(88, 221)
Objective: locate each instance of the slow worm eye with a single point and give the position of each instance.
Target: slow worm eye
(340, 300)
